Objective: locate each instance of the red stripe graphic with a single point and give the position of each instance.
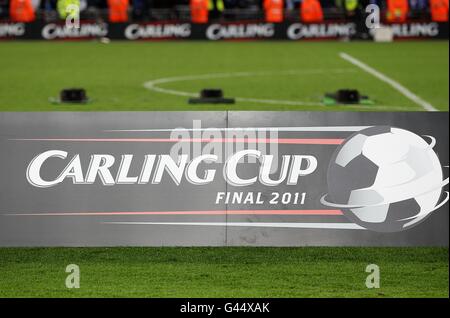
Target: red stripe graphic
(294, 141)
(212, 212)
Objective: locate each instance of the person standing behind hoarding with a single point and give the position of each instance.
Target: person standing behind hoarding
(397, 11)
(274, 10)
(292, 4)
(118, 10)
(36, 4)
(348, 7)
(140, 9)
(63, 7)
(439, 10)
(215, 8)
(351, 5)
(199, 11)
(21, 11)
(311, 11)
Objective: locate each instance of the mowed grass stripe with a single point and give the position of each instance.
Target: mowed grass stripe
(113, 74)
(224, 272)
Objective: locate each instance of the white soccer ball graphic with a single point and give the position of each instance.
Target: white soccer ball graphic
(385, 179)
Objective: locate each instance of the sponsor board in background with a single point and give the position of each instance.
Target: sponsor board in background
(87, 30)
(223, 178)
(299, 31)
(212, 32)
(162, 31)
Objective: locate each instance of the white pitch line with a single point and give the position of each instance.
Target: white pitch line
(153, 86)
(396, 85)
(333, 226)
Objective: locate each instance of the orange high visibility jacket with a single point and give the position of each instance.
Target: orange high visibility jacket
(118, 10)
(311, 11)
(439, 10)
(199, 11)
(274, 10)
(397, 10)
(21, 11)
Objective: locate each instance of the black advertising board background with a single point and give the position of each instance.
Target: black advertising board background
(215, 31)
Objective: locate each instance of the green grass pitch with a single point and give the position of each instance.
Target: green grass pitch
(291, 76)
(224, 272)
